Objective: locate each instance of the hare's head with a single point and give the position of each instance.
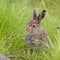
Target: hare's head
(35, 22)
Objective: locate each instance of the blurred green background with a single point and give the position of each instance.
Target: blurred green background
(14, 15)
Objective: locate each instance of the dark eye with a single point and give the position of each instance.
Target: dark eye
(33, 25)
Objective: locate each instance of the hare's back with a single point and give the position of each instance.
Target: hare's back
(43, 32)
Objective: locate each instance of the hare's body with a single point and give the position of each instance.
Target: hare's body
(37, 36)
(38, 40)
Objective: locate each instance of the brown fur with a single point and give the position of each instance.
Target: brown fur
(35, 32)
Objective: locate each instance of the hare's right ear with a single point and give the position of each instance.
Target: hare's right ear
(41, 15)
(34, 14)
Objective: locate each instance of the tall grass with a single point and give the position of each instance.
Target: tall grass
(14, 15)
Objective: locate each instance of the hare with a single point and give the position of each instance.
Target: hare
(35, 35)
(3, 57)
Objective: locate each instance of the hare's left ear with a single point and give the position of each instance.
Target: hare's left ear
(34, 14)
(41, 15)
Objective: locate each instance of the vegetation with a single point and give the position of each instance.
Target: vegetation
(14, 15)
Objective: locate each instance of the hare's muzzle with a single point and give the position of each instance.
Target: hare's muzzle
(28, 29)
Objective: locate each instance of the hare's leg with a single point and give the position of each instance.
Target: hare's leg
(31, 47)
(31, 51)
(49, 41)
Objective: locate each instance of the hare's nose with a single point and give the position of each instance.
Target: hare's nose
(28, 29)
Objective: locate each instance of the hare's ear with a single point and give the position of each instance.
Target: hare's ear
(34, 14)
(41, 15)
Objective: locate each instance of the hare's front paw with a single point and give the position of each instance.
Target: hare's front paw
(28, 37)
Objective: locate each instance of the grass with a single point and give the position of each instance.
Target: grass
(14, 15)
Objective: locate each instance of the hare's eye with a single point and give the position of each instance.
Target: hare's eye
(33, 25)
